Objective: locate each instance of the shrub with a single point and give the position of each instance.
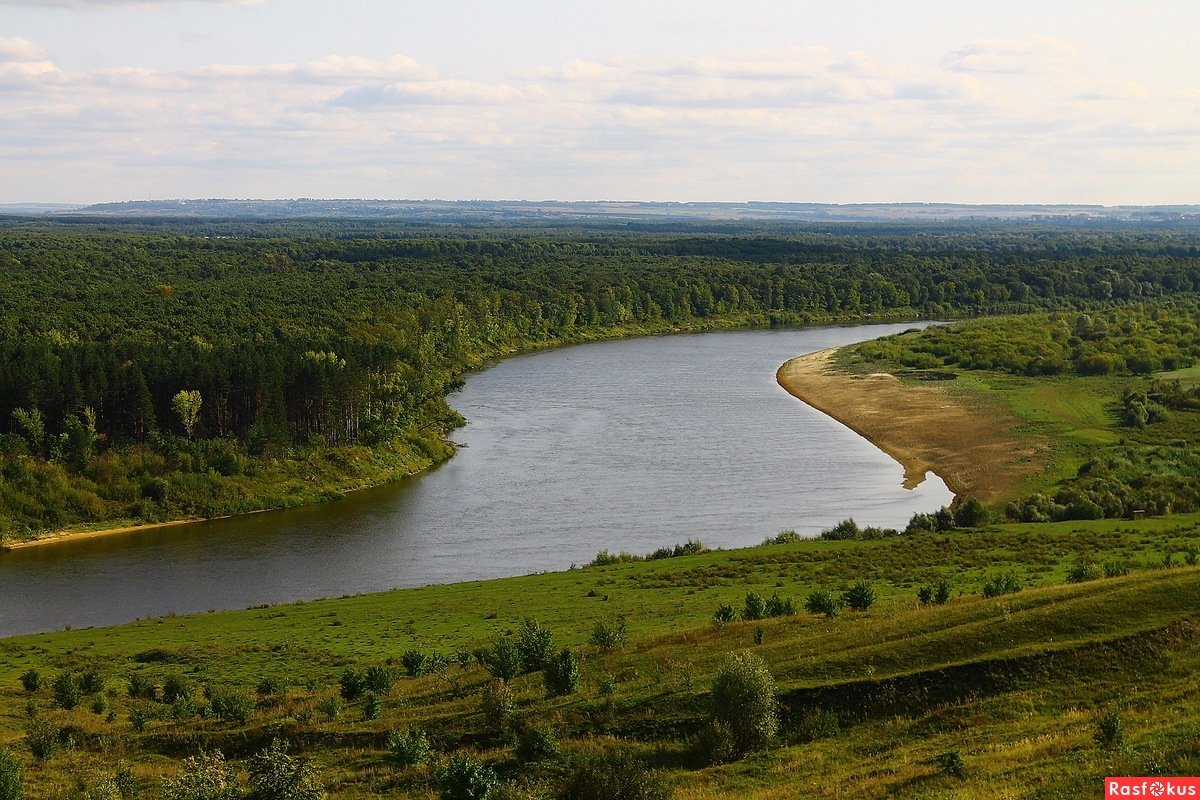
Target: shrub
(1115, 569)
(31, 680)
(714, 743)
(10, 776)
(92, 682)
(99, 704)
(126, 782)
(816, 724)
(755, 607)
(105, 789)
(407, 748)
(846, 529)
(371, 706)
(610, 635)
(464, 778)
(950, 763)
(822, 602)
(743, 698)
(1110, 733)
(970, 514)
(497, 704)
(503, 658)
(67, 693)
(41, 738)
(561, 674)
(785, 537)
(535, 644)
(925, 595)
(724, 614)
(379, 679)
(174, 687)
(204, 777)
(780, 608)
(330, 706)
(1005, 583)
(613, 777)
(414, 663)
(183, 708)
(139, 715)
(860, 596)
(232, 705)
(941, 595)
(274, 775)
(1082, 571)
(536, 743)
(266, 687)
(141, 686)
(352, 684)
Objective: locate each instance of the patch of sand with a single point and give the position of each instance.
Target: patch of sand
(924, 427)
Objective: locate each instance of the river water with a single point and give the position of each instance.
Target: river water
(623, 445)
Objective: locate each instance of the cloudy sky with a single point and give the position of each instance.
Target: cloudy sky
(1054, 101)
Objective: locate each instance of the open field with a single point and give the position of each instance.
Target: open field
(1015, 684)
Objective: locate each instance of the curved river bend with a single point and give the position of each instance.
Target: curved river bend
(623, 445)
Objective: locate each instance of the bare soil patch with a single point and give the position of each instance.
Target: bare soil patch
(970, 446)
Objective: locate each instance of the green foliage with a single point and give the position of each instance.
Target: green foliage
(743, 698)
(724, 614)
(848, 529)
(951, 763)
(67, 692)
(31, 680)
(1083, 570)
(613, 776)
(925, 595)
(407, 748)
(784, 537)
(1001, 584)
(970, 514)
(779, 607)
(275, 775)
(379, 678)
(605, 558)
(91, 682)
(371, 706)
(859, 597)
(816, 724)
(714, 743)
(822, 601)
(754, 607)
(141, 687)
(561, 673)
(331, 707)
(205, 776)
(413, 662)
(503, 658)
(139, 716)
(535, 643)
(11, 777)
(352, 683)
(691, 547)
(941, 594)
(536, 743)
(174, 687)
(232, 705)
(610, 635)
(497, 703)
(42, 738)
(1110, 731)
(464, 778)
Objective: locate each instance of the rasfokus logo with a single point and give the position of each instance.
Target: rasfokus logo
(1151, 787)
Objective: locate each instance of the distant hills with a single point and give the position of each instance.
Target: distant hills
(557, 212)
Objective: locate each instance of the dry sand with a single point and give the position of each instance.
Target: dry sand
(924, 427)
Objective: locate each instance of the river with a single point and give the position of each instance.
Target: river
(623, 445)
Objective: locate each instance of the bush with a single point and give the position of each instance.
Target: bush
(1005, 583)
(413, 662)
(536, 743)
(1110, 733)
(846, 529)
(67, 693)
(860, 596)
(352, 684)
(941, 595)
(31, 680)
(610, 635)
(1082, 571)
(822, 602)
(141, 687)
(1115, 569)
(41, 738)
(613, 777)
(267, 687)
(174, 687)
(714, 743)
(331, 707)
(970, 514)
(755, 607)
(139, 715)
(535, 644)
(92, 682)
(371, 706)
(379, 679)
(780, 608)
(497, 704)
(10, 776)
(105, 789)
(503, 658)
(743, 699)
(464, 778)
(274, 775)
(817, 724)
(925, 595)
(407, 748)
(724, 614)
(785, 537)
(204, 777)
(951, 763)
(232, 705)
(561, 674)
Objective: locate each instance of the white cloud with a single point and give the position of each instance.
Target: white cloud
(101, 4)
(1011, 56)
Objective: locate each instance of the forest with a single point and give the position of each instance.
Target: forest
(151, 371)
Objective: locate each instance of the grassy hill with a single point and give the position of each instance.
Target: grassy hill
(890, 701)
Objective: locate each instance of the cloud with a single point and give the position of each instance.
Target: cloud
(438, 92)
(22, 62)
(103, 4)
(1011, 56)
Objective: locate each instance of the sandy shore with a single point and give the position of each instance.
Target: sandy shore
(93, 533)
(924, 427)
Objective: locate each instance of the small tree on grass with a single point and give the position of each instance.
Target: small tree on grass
(535, 643)
(743, 700)
(561, 673)
(822, 601)
(274, 775)
(204, 777)
(10, 776)
(755, 607)
(67, 692)
(610, 635)
(859, 597)
(1110, 733)
(464, 778)
(186, 404)
(407, 748)
(31, 680)
(941, 594)
(613, 777)
(497, 704)
(503, 658)
(414, 663)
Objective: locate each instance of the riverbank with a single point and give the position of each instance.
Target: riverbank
(925, 428)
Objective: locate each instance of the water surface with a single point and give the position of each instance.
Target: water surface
(623, 445)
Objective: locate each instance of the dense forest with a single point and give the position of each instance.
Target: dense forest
(175, 370)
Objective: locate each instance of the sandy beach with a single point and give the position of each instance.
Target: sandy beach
(924, 427)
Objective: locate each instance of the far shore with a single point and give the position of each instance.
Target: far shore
(924, 427)
(76, 534)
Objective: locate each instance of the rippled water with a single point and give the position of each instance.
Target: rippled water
(631, 444)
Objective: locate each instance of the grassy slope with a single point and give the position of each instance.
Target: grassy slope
(1014, 683)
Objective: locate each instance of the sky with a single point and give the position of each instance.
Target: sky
(1055, 101)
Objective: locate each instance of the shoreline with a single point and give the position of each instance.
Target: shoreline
(924, 428)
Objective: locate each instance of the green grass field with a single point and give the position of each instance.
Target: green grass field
(1013, 684)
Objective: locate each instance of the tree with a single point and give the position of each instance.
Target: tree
(743, 700)
(274, 775)
(561, 673)
(204, 777)
(10, 776)
(186, 403)
(33, 425)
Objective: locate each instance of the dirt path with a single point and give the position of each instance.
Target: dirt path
(925, 428)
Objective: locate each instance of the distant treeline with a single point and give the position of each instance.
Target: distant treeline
(339, 335)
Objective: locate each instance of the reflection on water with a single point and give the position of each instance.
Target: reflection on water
(630, 444)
